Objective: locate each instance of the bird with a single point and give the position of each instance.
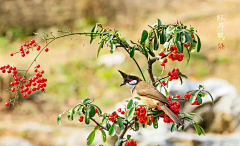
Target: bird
(149, 95)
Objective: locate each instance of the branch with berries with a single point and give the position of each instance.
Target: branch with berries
(172, 39)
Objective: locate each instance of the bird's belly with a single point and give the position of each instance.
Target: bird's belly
(151, 103)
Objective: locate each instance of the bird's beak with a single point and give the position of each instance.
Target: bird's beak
(122, 84)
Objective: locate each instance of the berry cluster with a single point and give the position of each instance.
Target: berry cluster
(131, 143)
(24, 49)
(20, 82)
(188, 95)
(187, 44)
(113, 117)
(141, 114)
(173, 74)
(174, 107)
(175, 55)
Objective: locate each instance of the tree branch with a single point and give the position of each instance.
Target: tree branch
(123, 132)
(98, 124)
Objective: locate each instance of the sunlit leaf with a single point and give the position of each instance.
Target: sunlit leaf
(86, 101)
(196, 115)
(194, 96)
(91, 137)
(59, 119)
(112, 130)
(130, 103)
(120, 123)
(199, 44)
(104, 137)
(144, 36)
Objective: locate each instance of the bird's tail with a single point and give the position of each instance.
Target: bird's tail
(172, 115)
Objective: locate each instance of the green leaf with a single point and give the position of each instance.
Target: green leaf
(173, 127)
(199, 44)
(130, 114)
(100, 47)
(94, 30)
(99, 110)
(188, 56)
(110, 37)
(92, 111)
(194, 96)
(145, 51)
(166, 92)
(144, 36)
(136, 125)
(87, 118)
(91, 137)
(182, 75)
(210, 96)
(163, 37)
(70, 114)
(181, 80)
(76, 108)
(156, 45)
(86, 101)
(132, 52)
(179, 46)
(137, 98)
(202, 129)
(104, 120)
(113, 47)
(196, 115)
(80, 110)
(159, 23)
(130, 103)
(118, 142)
(197, 128)
(104, 137)
(189, 38)
(178, 37)
(178, 30)
(112, 130)
(199, 99)
(128, 137)
(59, 119)
(155, 123)
(108, 126)
(120, 123)
(183, 38)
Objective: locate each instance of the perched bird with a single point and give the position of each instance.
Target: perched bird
(149, 95)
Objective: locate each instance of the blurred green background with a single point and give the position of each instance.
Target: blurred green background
(71, 64)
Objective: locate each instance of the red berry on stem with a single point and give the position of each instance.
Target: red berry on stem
(96, 110)
(27, 52)
(38, 48)
(7, 104)
(165, 60)
(25, 95)
(11, 54)
(46, 50)
(38, 66)
(13, 89)
(162, 64)
(178, 96)
(119, 110)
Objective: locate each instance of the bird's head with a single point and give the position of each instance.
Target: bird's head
(129, 80)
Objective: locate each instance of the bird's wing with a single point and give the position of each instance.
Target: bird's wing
(145, 89)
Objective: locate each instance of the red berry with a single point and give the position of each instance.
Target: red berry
(7, 104)
(29, 92)
(165, 60)
(42, 89)
(21, 87)
(11, 54)
(12, 84)
(36, 70)
(42, 72)
(46, 50)
(25, 95)
(119, 110)
(178, 96)
(96, 110)
(192, 35)
(38, 48)
(122, 112)
(13, 89)
(27, 52)
(162, 64)
(38, 66)
(32, 41)
(81, 119)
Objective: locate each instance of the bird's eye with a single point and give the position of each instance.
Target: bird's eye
(131, 80)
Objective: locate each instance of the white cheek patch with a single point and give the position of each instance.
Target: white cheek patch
(133, 82)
